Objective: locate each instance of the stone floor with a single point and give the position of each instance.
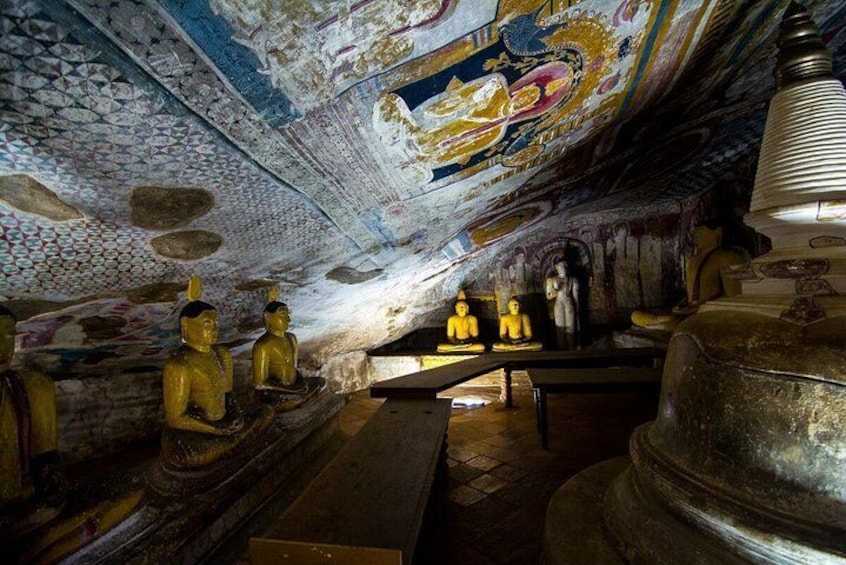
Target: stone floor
(499, 479)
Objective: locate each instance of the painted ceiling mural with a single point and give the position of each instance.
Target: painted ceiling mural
(366, 156)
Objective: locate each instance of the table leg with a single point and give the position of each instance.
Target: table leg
(536, 392)
(506, 393)
(543, 419)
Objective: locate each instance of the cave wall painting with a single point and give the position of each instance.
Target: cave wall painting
(376, 102)
(506, 101)
(623, 262)
(314, 51)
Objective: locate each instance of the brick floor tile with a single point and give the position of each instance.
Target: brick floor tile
(465, 496)
(484, 463)
(488, 484)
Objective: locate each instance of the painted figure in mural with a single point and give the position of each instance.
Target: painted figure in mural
(462, 329)
(31, 481)
(204, 422)
(468, 117)
(316, 50)
(564, 290)
(515, 330)
(705, 278)
(499, 275)
(275, 352)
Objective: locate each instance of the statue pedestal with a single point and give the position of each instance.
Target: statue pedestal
(574, 531)
(169, 526)
(640, 337)
(744, 462)
(500, 347)
(280, 401)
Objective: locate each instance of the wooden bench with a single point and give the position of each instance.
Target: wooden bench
(374, 494)
(591, 380)
(427, 384)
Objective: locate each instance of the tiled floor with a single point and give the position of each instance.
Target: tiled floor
(499, 480)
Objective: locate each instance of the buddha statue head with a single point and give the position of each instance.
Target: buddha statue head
(198, 320)
(462, 308)
(277, 317)
(513, 306)
(706, 236)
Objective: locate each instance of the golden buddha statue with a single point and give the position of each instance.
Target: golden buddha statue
(204, 422)
(275, 352)
(275, 376)
(706, 279)
(515, 330)
(462, 330)
(32, 489)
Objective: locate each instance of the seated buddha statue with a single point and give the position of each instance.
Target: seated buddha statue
(515, 331)
(706, 279)
(204, 422)
(462, 330)
(32, 489)
(275, 352)
(275, 376)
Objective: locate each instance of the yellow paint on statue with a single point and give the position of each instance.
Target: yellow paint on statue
(462, 330)
(204, 421)
(705, 280)
(28, 442)
(515, 331)
(275, 352)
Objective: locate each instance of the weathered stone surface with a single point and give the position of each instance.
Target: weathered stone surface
(573, 532)
(28, 195)
(102, 415)
(381, 368)
(347, 372)
(256, 284)
(250, 324)
(156, 292)
(158, 208)
(102, 327)
(187, 245)
(349, 275)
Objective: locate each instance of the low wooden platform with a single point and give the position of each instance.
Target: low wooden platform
(375, 492)
(574, 381)
(427, 384)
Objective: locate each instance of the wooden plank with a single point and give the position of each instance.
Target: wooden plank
(374, 493)
(273, 552)
(432, 381)
(435, 380)
(585, 380)
(580, 380)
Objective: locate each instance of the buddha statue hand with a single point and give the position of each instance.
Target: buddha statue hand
(233, 422)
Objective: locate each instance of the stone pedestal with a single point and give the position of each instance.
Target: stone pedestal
(171, 526)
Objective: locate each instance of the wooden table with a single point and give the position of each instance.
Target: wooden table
(427, 384)
(375, 492)
(587, 380)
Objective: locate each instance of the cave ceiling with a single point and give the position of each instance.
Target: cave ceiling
(366, 157)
